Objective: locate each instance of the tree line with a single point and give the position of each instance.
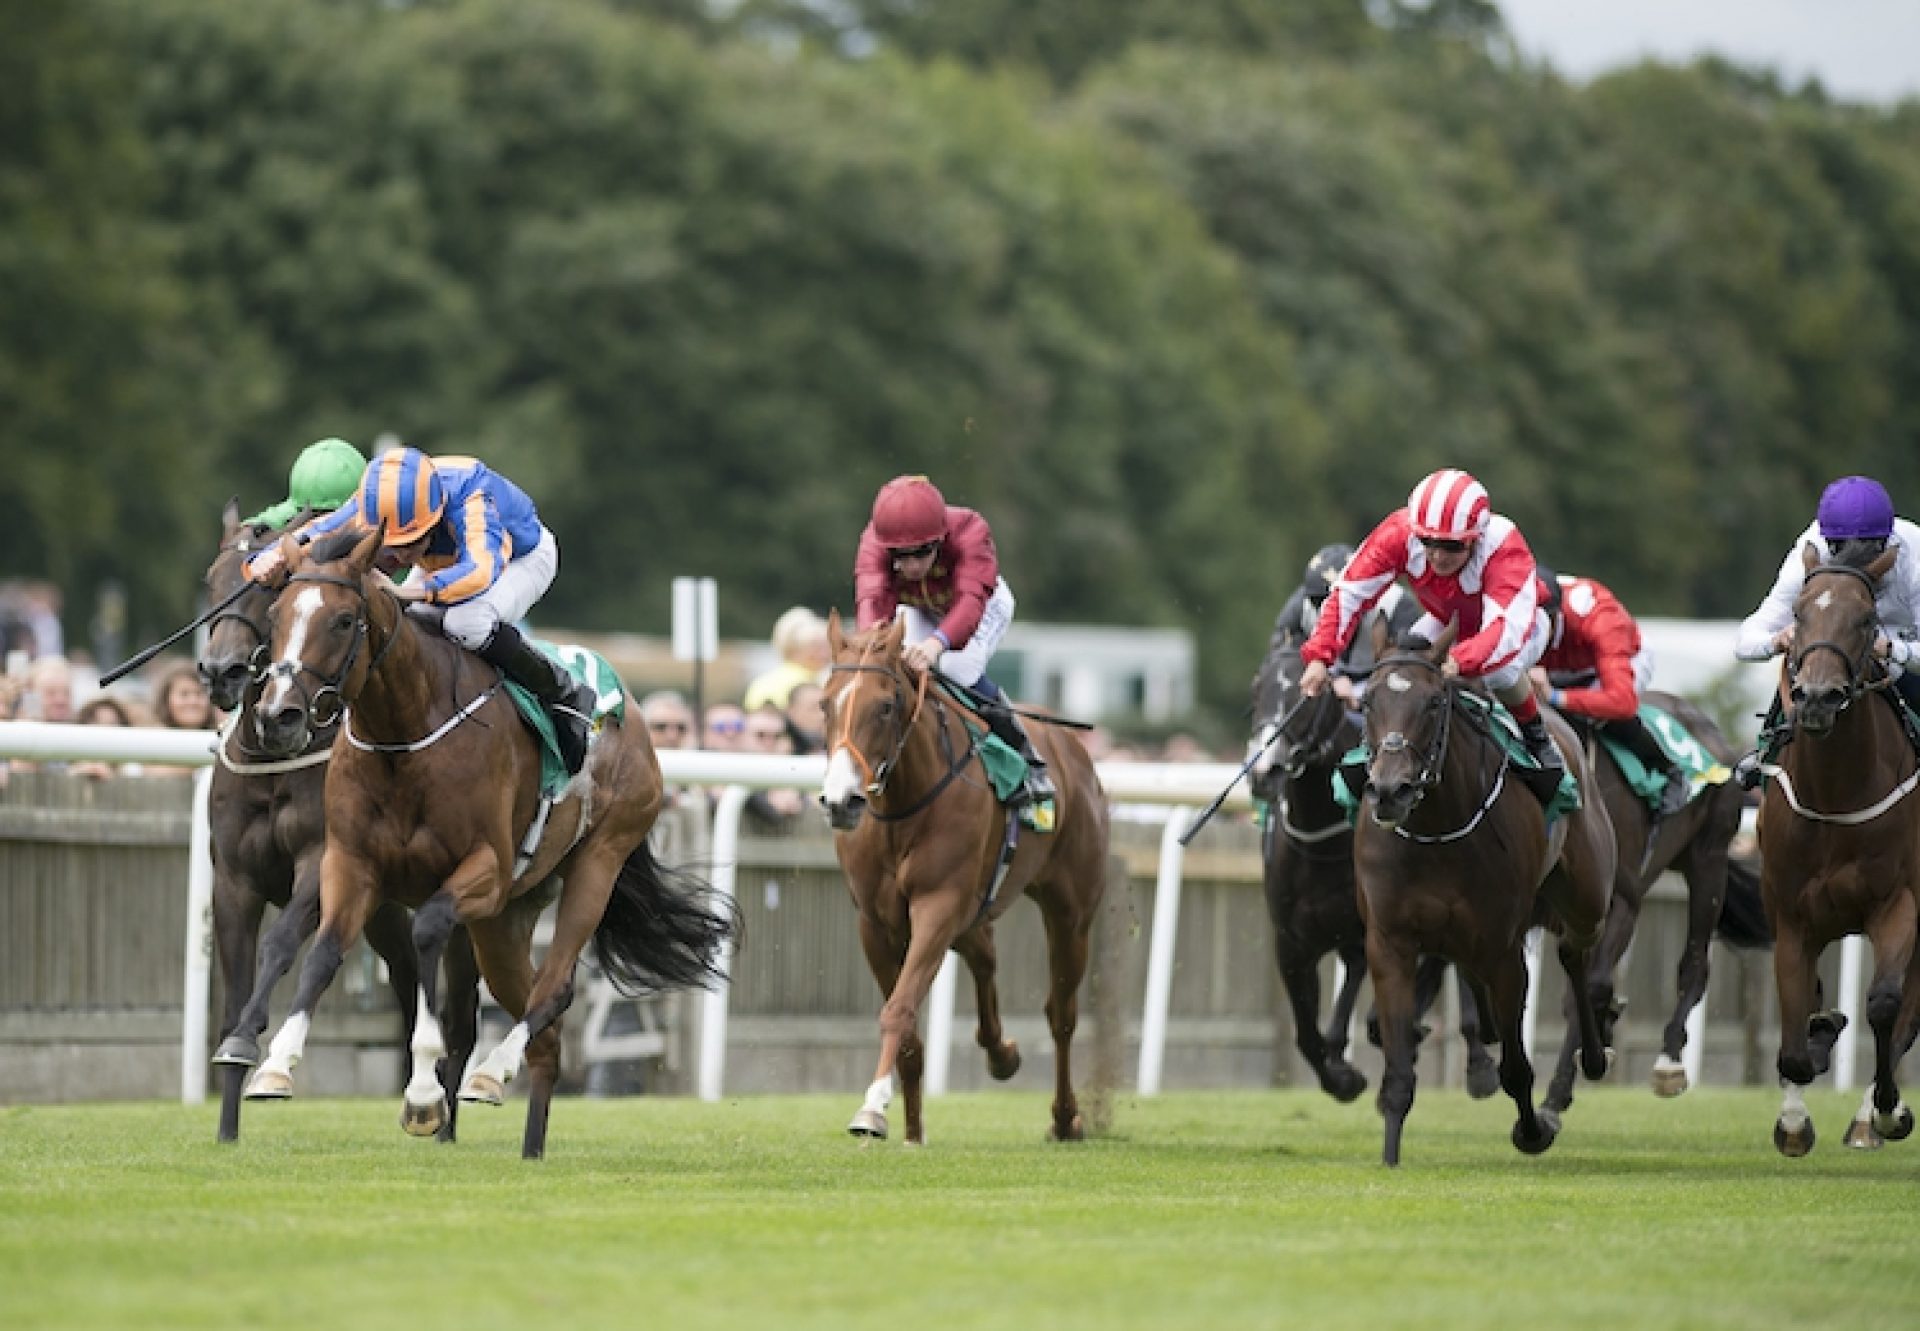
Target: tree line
(1174, 290)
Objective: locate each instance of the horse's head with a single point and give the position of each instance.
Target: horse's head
(1408, 712)
(237, 637)
(317, 656)
(1290, 733)
(1835, 623)
(871, 703)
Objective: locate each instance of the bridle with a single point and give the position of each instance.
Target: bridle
(1857, 663)
(256, 661)
(1394, 741)
(332, 688)
(903, 723)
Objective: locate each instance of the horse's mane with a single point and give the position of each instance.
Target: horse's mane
(1855, 555)
(335, 545)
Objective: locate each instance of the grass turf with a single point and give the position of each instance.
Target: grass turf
(1231, 1209)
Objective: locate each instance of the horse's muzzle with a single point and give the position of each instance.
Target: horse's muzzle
(283, 732)
(1391, 804)
(845, 816)
(1815, 710)
(226, 681)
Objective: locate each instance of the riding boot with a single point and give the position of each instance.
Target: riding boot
(1540, 745)
(1773, 734)
(1678, 791)
(568, 703)
(1000, 717)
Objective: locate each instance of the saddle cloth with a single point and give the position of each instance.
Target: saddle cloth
(610, 699)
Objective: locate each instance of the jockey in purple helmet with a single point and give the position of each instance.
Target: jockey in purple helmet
(1855, 524)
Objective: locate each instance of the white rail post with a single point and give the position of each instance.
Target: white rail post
(194, 996)
(940, 1024)
(1846, 1054)
(713, 1003)
(1166, 927)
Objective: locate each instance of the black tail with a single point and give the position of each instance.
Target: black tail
(1743, 916)
(663, 928)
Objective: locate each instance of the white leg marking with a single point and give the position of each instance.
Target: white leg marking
(289, 1043)
(1793, 1107)
(429, 1047)
(503, 1064)
(842, 781)
(879, 1095)
(1668, 1065)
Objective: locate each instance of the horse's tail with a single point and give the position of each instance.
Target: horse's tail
(1743, 916)
(664, 928)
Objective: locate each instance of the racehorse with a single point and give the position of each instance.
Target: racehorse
(1307, 849)
(1722, 895)
(268, 832)
(1840, 847)
(434, 784)
(924, 864)
(1455, 859)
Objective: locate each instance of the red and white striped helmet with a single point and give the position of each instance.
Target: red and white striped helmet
(1449, 506)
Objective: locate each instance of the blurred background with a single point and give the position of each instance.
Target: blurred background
(1175, 291)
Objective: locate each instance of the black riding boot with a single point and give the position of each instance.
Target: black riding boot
(1634, 734)
(570, 704)
(1540, 744)
(1001, 719)
(1773, 733)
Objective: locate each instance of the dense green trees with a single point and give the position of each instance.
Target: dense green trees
(1174, 291)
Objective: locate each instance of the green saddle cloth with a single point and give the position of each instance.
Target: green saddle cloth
(1506, 733)
(609, 699)
(1687, 753)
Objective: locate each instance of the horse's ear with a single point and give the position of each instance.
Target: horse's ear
(292, 556)
(836, 635)
(230, 518)
(1444, 643)
(1382, 638)
(1880, 567)
(363, 553)
(896, 635)
(1811, 557)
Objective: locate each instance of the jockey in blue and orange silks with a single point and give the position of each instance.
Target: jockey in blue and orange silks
(487, 559)
(1463, 562)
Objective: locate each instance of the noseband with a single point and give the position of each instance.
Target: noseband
(332, 688)
(877, 776)
(1857, 664)
(1394, 741)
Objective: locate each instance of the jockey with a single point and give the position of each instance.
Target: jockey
(487, 558)
(1595, 668)
(934, 566)
(1854, 524)
(1301, 613)
(324, 476)
(1463, 562)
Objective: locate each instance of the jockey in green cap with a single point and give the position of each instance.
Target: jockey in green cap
(324, 476)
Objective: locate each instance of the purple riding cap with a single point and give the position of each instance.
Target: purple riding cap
(1856, 508)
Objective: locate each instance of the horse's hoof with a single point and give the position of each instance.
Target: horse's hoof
(1793, 1144)
(1076, 1131)
(1483, 1077)
(424, 1120)
(237, 1051)
(1896, 1126)
(1670, 1082)
(1862, 1137)
(268, 1084)
(869, 1123)
(1596, 1068)
(1549, 1129)
(1343, 1082)
(1003, 1062)
(483, 1088)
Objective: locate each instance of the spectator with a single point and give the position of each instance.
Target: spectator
(50, 690)
(800, 636)
(104, 710)
(767, 732)
(11, 688)
(180, 702)
(725, 728)
(1183, 748)
(807, 718)
(669, 720)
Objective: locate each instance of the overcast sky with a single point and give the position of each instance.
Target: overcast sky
(1862, 50)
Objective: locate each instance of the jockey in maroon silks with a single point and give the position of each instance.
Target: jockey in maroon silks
(934, 566)
(1463, 562)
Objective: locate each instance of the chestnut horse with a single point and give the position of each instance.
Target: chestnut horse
(268, 831)
(1456, 859)
(1307, 849)
(432, 788)
(1722, 895)
(922, 866)
(1840, 843)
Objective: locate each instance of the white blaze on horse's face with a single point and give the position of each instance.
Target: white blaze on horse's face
(1399, 683)
(843, 779)
(306, 605)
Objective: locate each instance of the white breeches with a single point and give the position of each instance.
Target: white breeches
(965, 664)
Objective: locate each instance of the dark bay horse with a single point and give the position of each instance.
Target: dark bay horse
(433, 785)
(268, 832)
(1457, 860)
(1840, 847)
(1722, 895)
(1307, 849)
(921, 864)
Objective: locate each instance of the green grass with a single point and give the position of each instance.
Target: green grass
(1242, 1209)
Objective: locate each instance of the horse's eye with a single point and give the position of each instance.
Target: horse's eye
(885, 710)
(343, 621)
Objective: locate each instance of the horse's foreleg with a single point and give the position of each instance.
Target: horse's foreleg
(389, 934)
(1706, 893)
(977, 950)
(1300, 977)
(346, 898)
(884, 958)
(424, 1110)
(1391, 964)
(935, 921)
(1596, 1056)
(1893, 946)
(1483, 1076)
(237, 909)
(460, 1020)
(1507, 991)
(1793, 1133)
(1068, 930)
(297, 920)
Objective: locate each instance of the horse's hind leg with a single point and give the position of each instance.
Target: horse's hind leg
(389, 935)
(1507, 990)
(1706, 876)
(460, 1020)
(237, 909)
(1391, 964)
(1483, 1075)
(1300, 976)
(976, 949)
(1068, 928)
(1892, 935)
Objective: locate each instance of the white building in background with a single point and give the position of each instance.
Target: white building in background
(1093, 673)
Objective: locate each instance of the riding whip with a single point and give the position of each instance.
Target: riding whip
(133, 663)
(1206, 814)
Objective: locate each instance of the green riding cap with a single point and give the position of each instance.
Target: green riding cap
(324, 476)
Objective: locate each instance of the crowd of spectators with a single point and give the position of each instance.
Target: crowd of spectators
(51, 688)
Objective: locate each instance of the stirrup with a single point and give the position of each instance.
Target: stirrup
(1746, 773)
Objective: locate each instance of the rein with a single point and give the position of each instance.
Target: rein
(1430, 767)
(1857, 664)
(877, 777)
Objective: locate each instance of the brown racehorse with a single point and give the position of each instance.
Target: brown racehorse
(921, 865)
(1840, 843)
(1456, 859)
(1693, 841)
(432, 787)
(268, 831)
